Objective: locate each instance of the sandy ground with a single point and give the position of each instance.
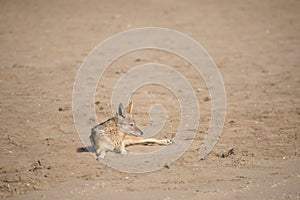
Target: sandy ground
(255, 45)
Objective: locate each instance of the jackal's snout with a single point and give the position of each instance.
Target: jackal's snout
(136, 132)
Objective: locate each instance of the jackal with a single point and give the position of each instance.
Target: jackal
(119, 131)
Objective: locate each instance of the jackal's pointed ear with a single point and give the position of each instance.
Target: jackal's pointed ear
(129, 107)
(121, 110)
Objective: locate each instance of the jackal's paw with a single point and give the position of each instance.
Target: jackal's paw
(123, 152)
(167, 141)
(100, 154)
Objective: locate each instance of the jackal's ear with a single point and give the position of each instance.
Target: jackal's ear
(121, 110)
(129, 107)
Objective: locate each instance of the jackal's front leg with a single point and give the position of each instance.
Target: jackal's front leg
(132, 140)
(122, 149)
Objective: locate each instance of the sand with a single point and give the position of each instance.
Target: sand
(255, 45)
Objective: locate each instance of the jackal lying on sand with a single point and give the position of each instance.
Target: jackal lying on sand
(119, 131)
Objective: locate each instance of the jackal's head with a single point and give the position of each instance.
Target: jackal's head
(126, 122)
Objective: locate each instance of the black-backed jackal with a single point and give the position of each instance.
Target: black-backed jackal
(119, 131)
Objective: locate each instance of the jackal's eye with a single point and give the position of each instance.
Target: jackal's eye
(131, 124)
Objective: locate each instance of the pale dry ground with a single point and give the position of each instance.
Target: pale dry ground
(255, 45)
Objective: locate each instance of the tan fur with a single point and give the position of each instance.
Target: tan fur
(132, 140)
(118, 132)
